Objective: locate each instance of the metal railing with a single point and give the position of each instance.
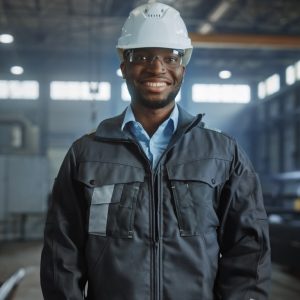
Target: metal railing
(8, 287)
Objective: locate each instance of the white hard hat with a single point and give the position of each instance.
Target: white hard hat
(155, 25)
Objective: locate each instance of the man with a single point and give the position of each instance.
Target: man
(153, 205)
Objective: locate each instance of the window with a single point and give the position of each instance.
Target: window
(124, 92)
(262, 90)
(297, 69)
(126, 96)
(229, 93)
(290, 75)
(80, 90)
(14, 89)
(273, 84)
(269, 86)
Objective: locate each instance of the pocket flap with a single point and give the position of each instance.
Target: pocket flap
(105, 173)
(211, 171)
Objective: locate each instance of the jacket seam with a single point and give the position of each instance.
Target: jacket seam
(217, 132)
(200, 159)
(109, 162)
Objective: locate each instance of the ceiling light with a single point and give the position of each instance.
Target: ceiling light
(6, 38)
(16, 70)
(205, 28)
(225, 74)
(220, 11)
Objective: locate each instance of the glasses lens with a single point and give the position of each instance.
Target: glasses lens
(170, 59)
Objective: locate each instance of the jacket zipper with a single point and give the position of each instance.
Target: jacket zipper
(155, 219)
(154, 229)
(155, 206)
(159, 232)
(156, 212)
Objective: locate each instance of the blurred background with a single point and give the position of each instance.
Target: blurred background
(59, 77)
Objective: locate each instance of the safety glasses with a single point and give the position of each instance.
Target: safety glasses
(169, 58)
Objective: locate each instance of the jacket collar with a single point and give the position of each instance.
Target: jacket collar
(111, 128)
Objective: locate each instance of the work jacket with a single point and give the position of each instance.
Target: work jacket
(193, 228)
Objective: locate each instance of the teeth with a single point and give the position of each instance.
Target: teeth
(155, 84)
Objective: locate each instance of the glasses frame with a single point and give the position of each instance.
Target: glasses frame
(150, 58)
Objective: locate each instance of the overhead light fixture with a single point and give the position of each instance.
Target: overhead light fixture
(205, 28)
(225, 74)
(214, 17)
(6, 38)
(17, 70)
(220, 11)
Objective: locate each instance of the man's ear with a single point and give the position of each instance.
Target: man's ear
(183, 72)
(122, 67)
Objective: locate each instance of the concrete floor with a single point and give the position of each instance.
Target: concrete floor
(15, 255)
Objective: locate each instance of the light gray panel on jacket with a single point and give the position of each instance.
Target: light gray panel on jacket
(101, 199)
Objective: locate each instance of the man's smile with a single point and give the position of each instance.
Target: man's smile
(155, 84)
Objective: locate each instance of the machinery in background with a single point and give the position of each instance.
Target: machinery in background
(282, 200)
(24, 183)
(18, 135)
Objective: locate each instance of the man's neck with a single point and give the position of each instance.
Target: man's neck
(152, 118)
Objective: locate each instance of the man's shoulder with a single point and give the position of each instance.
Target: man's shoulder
(107, 129)
(215, 131)
(84, 140)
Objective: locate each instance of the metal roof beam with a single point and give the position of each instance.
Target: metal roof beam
(244, 41)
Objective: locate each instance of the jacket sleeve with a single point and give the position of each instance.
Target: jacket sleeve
(245, 265)
(63, 274)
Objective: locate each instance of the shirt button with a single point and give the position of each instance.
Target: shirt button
(213, 181)
(92, 182)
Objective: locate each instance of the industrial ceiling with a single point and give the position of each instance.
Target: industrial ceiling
(251, 38)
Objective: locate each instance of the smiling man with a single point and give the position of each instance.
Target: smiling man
(153, 77)
(153, 73)
(154, 205)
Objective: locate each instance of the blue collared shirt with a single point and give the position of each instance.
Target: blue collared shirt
(156, 145)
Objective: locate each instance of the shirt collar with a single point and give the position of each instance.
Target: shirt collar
(129, 117)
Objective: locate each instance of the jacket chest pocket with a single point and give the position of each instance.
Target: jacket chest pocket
(195, 191)
(112, 191)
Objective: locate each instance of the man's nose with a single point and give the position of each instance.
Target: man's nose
(157, 61)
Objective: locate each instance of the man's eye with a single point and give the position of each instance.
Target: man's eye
(171, 59)
(140, 58)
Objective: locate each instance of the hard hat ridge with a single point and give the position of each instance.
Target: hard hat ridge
(155, 25)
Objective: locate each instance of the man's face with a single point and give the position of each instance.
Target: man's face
(153, 76)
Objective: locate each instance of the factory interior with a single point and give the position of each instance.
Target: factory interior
(60, 77)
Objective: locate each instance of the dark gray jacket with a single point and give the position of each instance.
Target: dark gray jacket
(195, 228)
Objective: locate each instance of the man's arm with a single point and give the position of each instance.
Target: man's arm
(62, 261)
(245, 265)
